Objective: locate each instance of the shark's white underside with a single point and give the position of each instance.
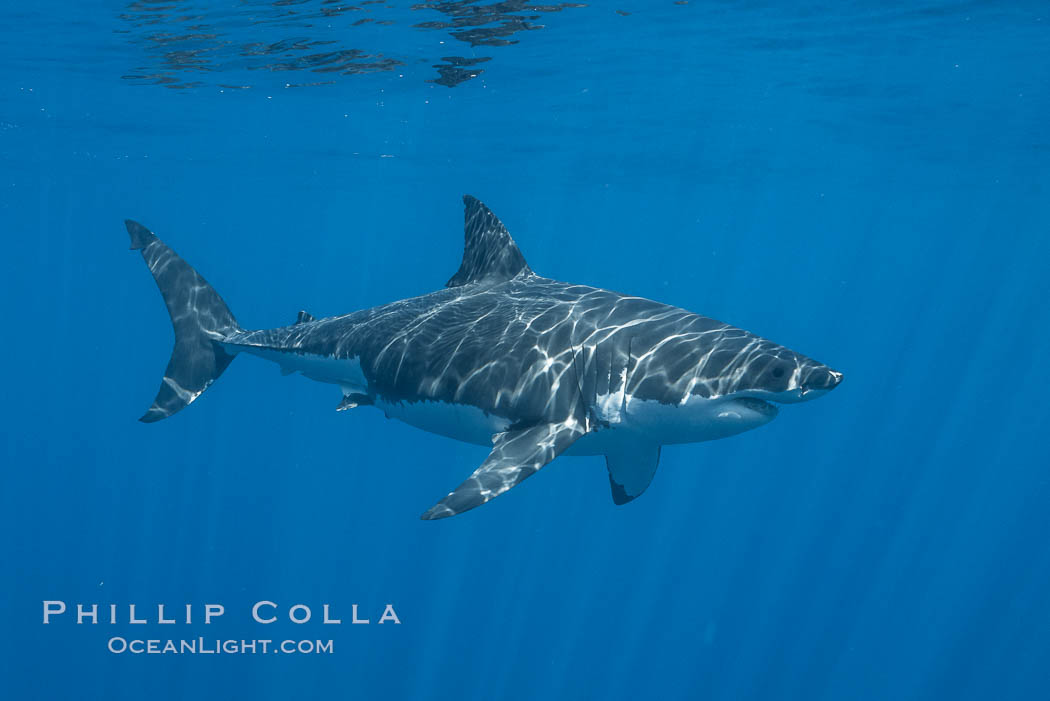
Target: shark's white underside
(626, 420)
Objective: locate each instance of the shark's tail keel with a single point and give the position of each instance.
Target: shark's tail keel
(201, 321)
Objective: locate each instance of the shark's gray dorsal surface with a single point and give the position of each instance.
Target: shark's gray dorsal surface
(531, 367)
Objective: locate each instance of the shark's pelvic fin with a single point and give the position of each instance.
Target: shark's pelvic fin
(354, 400)
(200, 318)
(489, 253)
(631, 470)
(304, 317)
(515, 455)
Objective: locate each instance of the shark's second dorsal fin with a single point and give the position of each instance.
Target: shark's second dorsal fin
(304, 316)
(489, 253)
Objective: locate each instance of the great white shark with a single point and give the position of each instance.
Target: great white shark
(530, 367)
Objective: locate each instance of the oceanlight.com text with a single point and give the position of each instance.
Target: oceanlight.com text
(213, 646)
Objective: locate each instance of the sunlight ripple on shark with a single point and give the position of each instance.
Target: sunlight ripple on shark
(502, 357)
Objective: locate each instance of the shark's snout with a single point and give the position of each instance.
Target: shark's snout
(824, 378)
(819, 381)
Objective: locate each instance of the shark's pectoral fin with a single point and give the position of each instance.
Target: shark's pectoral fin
(631, 469)
(515, 455)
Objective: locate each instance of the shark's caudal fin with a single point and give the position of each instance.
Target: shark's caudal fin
(489, 253)
(200, 319)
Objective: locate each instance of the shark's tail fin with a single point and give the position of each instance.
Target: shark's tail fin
(201, 321)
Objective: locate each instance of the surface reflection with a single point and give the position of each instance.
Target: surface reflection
(189, 44)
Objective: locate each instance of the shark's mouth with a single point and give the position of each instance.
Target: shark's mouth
(759, 406)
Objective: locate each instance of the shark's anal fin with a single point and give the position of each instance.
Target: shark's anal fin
(304, 317)
(631, 469)
(354, 400)
(515, 455)
(489, 252)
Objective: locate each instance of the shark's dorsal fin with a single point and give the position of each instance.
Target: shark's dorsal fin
(304, 316)
(489, 253)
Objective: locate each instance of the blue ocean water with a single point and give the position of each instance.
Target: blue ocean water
(864, 182)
